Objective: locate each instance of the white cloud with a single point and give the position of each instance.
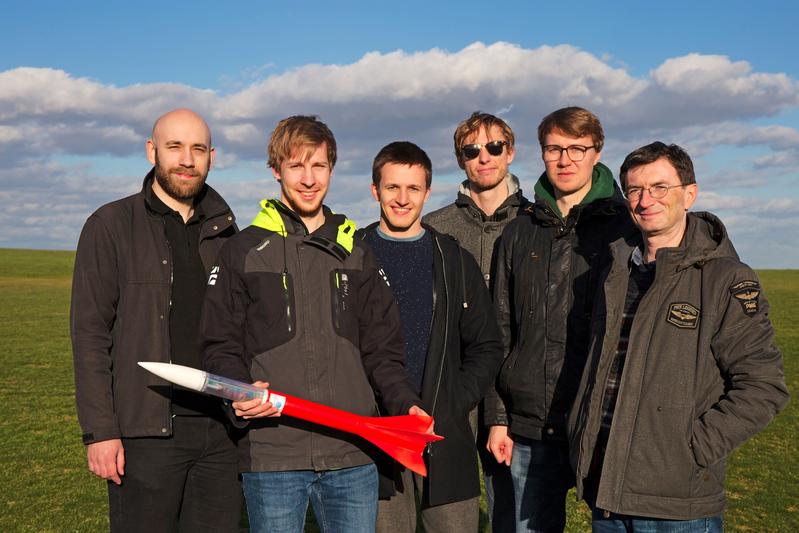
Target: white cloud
(702, 102)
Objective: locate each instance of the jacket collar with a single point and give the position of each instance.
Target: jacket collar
(208, 201)
(335, 234)
(705, 239)
(506, 208)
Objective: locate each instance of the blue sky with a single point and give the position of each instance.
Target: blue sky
(81, 83)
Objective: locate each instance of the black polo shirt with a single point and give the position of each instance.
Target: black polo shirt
(189, 280)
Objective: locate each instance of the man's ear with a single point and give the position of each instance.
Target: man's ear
(375, 193)
(691, 192)
(149, 147)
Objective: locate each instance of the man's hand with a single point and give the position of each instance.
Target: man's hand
(107, 459)
(255, 408)
(416, 410)
(500, 444)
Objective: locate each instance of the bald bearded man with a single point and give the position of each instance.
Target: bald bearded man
(141, 269)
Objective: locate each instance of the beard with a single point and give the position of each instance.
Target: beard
(178, 188)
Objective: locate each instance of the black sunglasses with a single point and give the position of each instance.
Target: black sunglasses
(470, 151)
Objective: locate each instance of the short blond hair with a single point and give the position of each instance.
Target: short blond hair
(299, 131)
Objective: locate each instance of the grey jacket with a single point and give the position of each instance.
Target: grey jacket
(474, 230)
(702, 375)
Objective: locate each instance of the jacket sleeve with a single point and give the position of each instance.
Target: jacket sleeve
(223, 318)
(95, 293)
(481, 342)
(381, 343)
(494, 407)
(751, 366)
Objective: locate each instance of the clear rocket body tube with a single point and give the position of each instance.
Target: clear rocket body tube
(232, 389)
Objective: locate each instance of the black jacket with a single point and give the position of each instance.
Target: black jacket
(544, 285)
(701, 375)
(310, 314)
(120, 313)
(463, 357)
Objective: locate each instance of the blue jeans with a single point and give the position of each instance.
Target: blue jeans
(342, 500)
(619, 523)
(542, 476)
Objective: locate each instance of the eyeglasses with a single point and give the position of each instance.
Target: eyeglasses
(552, 152)
(470, 151)
(657, 192)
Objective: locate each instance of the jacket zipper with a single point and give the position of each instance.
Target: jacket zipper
(168, 311)
(446, 335)
(287, 301)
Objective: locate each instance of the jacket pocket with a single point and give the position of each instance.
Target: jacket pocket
(522, 385)
(272, 313)
(343, 303)
(661, 448)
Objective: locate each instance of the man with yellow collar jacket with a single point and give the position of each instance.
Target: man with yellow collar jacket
(296, 302)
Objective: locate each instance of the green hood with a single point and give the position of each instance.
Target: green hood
(601, 187)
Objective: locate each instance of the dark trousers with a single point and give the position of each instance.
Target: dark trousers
(187, 482)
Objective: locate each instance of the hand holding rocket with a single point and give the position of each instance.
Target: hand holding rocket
(402, 437)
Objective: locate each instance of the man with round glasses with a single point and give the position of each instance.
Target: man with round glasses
(548, 261)
(682, 364)
(489, 198)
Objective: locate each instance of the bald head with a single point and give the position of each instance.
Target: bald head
(180, 118)
(181, 152)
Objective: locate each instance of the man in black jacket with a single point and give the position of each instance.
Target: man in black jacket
(548, 261)
(298, 302)
(453, 347)
(683, 367)
(140, 273)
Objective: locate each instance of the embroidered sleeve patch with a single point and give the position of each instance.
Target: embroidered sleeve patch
(748, 295)
(683, 315)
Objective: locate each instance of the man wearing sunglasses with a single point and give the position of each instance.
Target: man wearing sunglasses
(489, 198)
(682, 364)
(548, 261)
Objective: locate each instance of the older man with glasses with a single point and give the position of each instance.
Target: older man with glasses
(682, 366)
(548, 261)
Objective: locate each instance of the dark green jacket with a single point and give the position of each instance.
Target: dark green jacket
(701, 375)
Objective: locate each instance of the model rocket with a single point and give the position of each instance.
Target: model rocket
(402, 437)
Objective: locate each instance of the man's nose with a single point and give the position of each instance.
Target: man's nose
(646, 198)
(186, 157)
(307, 177)
(402, 197)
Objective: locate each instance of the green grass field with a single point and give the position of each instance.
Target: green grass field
(45, 486)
